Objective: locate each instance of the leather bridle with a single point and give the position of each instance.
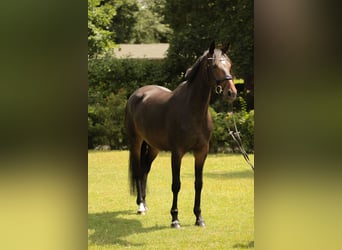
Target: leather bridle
(218, 88)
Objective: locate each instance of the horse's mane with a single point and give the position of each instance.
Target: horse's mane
(192, 71)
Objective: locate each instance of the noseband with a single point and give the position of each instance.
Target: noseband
(218, 88)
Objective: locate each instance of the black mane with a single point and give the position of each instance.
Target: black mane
(192, 71)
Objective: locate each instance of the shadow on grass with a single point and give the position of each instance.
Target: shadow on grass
(109, 228)
(230, 175)
(249, 245)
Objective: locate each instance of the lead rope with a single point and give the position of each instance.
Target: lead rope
(236, 137)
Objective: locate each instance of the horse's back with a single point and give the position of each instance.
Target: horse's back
(144, 95)
(151, 90)
(150, 93)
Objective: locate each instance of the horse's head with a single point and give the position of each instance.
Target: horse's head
(218, 67)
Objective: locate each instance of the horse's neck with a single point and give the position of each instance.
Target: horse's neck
(200, 93)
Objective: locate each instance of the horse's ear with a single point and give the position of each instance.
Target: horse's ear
(212, 47)
(225, 48)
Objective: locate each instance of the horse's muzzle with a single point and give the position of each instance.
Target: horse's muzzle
(231, 94)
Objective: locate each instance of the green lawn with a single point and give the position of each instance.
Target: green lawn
(227, 204)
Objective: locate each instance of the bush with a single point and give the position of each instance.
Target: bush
(221, 141)
(106, 122)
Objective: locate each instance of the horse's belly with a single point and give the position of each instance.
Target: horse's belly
(159, 145)
(156, 138)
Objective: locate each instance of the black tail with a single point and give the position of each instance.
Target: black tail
(135, 171)
(132, 176)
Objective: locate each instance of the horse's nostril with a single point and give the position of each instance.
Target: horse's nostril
(229, 93)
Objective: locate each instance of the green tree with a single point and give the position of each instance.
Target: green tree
(150, 26)
(196, 23)
(100, 38)
(123, 23)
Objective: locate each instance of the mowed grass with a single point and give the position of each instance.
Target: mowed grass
(227, 204)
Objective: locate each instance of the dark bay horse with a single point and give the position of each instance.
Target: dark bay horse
(177, 121)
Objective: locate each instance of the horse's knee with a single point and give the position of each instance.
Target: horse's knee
(176, 187)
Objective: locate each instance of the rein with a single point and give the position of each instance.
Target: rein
(236, 137)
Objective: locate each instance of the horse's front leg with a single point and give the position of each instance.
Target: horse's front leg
(200, 157)
(176, 184)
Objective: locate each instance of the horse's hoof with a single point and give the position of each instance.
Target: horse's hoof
(141, 210)
(200, 223)
(175, 224)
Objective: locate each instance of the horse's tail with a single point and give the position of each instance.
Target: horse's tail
(132, 175)
(134, 170)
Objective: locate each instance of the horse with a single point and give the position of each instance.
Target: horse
(158, 119)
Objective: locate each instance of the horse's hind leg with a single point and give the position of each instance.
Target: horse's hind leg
(136, 172)
(148, 154)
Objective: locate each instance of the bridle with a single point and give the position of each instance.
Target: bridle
(218, 88)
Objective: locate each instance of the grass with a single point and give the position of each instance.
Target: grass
(227, 205)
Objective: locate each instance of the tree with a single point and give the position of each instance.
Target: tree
(196, 23)
(123, 23)
(100, 14)
(150, 26)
